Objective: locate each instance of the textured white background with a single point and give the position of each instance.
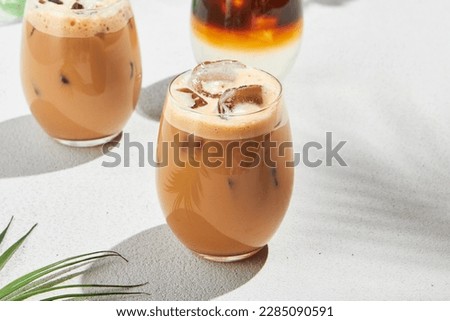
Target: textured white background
(375, 73)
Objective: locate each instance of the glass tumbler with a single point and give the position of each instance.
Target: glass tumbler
(224, 151)
(261, 33)
(81, 68)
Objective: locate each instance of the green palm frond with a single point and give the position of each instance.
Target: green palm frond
(6, 256)
(2, 235)
(50, 278)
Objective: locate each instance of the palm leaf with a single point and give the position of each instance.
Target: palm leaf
(4, 258)
(87, 295)
(57, 266)
(38, 291)
(48, 279)
(2, 235)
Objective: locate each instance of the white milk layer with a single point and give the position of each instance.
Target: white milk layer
(277, 60)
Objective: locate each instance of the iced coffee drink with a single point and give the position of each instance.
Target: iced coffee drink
(262, 33)
(224, 150)
(81, 68)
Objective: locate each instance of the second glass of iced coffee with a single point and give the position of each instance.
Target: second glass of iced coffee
(225, 170)
(81, 68)
(263, 33)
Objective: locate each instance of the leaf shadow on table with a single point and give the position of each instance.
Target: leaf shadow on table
(172, 272)
(26, 150)
(152, 98)
(387, 205)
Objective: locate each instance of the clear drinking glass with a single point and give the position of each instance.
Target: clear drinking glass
(261, 33)
(81, 68)
(224, 151)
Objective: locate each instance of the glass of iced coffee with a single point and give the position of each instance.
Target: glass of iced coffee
(81, 68)
(225, 171)
(262, 33)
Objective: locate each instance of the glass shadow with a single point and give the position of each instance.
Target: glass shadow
(172, 271)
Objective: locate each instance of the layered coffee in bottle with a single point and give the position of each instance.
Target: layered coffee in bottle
(223, 190)
(263, 33)
(81, 67)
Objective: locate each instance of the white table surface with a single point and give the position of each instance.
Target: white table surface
(375, 73)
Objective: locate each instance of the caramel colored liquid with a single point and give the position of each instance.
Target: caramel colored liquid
(223, 211)
(81, 88)
(253, 24)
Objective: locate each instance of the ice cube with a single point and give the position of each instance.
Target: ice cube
(213, 78)
(241, 100)
(196, 99)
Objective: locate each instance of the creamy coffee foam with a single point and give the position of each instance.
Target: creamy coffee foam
(245, 120)
(78, 19)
